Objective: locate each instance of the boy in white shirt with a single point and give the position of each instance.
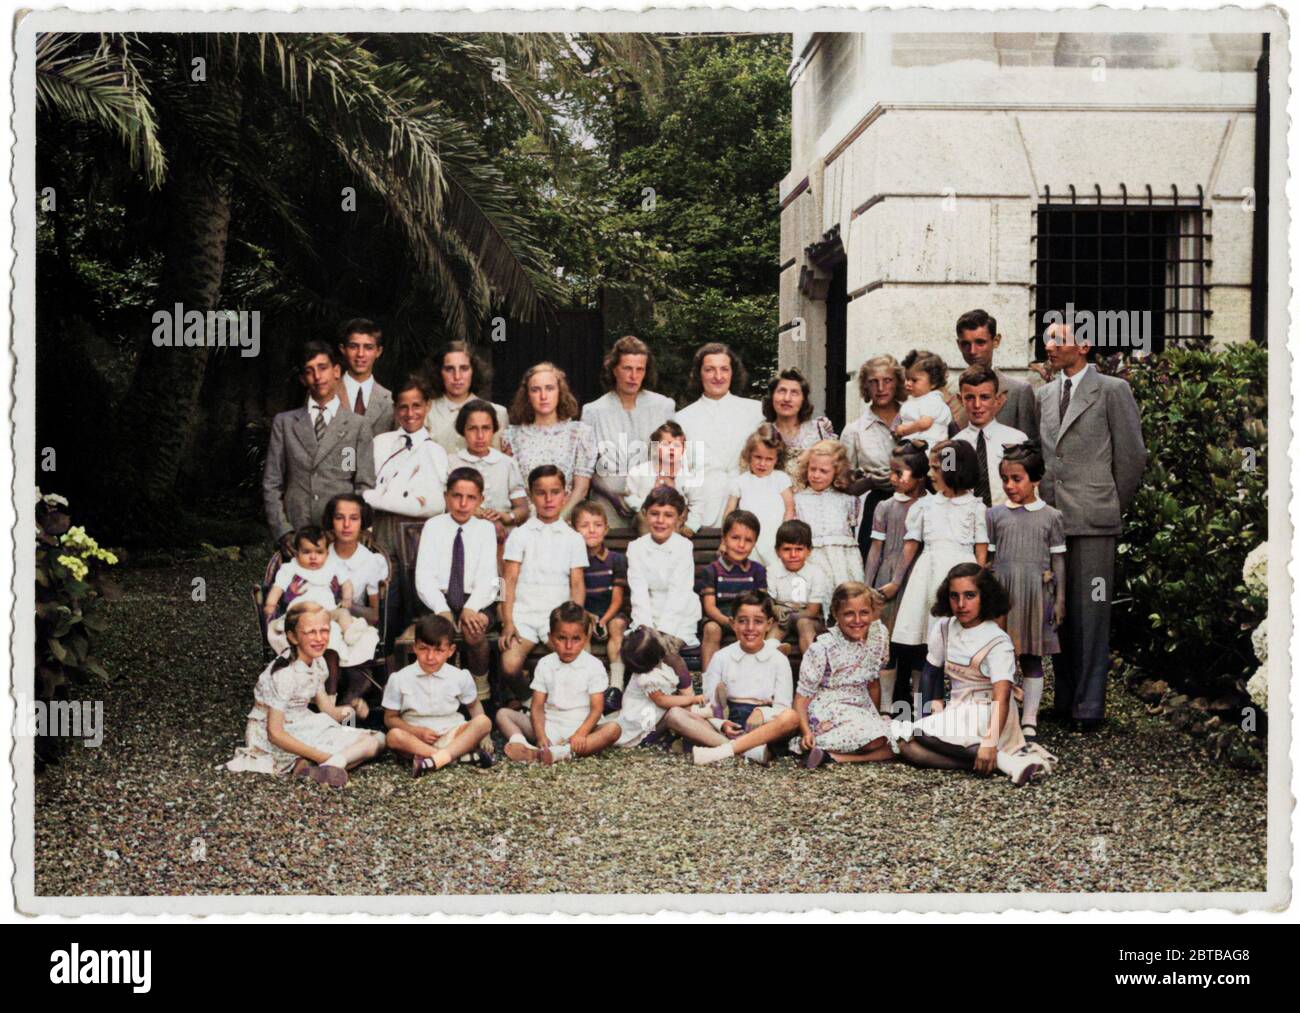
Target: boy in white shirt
(543, 563)
(422, 704)
(982, 399)
(565, 719)
(470, 603)
(800, 590)
(661, 578)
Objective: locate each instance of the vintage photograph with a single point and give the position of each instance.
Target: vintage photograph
(813, 460)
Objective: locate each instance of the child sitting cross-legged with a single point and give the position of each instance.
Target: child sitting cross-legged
(422, 704)
(564, 721)
(750, 691)
(800, 589)
(654, 688)
(605, 579)
(724, 580)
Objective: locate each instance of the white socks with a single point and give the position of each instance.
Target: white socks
(519, 739)
(616, 673)
(563, 752)
(712, 754)
(887, 677)
(1033, 696)
(337, 760)
(759, 754)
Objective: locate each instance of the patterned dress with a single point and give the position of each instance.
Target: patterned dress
(290, 690)
(809, 433)
(1023, 540)
(833, 517)
(835, 676)
(570, 446)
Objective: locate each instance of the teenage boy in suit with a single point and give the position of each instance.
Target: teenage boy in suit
(317, 451)
(977, 338)
(1094, 454)
(361, 343)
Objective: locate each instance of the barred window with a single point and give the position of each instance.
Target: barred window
(1133, 268)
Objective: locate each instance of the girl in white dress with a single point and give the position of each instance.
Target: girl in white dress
(764, 489)
(653, 688)
(952, 527)
(979, 729)
(283, 735)
(832, 515)
(925, 414)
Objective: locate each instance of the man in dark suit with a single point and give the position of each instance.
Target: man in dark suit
(361, 343)
(977, 338)
(317, 451)
(1094, 455)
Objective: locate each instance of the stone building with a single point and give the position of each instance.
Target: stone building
(935, 173)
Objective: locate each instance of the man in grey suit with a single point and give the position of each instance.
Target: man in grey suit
(361, 343)
(1094, 456)
(316, 451)
(977, 337)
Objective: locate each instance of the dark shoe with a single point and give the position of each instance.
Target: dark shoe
(484, 759)
(1031, 773)
(816, 757)
(1030, 732)
(335, 777)
(613, 700)
(1089, 726)
(417, 766)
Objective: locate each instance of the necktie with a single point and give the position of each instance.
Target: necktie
(407, 438)
(982, 484)
(320, 421)
(360, 407)
(1065, 398)
(456, 580)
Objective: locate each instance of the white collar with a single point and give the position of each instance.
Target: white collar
(330, 406)
(764, 653)
(352, 383)
(491, 457)
(900, 497)
(537, 524)
(1074, 380)
(1033, 507)
(421, 435)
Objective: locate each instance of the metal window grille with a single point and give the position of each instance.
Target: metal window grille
(1129, 261)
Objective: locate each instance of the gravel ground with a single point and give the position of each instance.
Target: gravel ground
(1135, 808)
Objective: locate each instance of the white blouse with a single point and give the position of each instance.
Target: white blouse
(721, 426)
(623, 436)
(959, 519)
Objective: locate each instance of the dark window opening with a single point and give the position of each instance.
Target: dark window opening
(1135, 271)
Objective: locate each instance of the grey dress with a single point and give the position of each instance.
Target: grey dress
(1022, 541)
(888, 526)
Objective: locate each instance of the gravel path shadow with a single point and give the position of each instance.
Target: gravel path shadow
(1135, 808)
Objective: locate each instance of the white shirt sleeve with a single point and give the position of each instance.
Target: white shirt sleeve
(597, 677)
(713, 675)
(393, 693)
(981, 523)
(914, 530)
(936, 655)
(466, 692)
(783, 695)
(484, 583)
(1000, 663)
(638, 586)
(428, 571)
(285, 575)
(543, 675)
(577, 551)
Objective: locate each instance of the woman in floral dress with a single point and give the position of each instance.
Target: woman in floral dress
(545, 429)
(789, 407)
(838, 697)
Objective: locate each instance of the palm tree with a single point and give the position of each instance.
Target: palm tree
(361, 101)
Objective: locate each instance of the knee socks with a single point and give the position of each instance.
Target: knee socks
(1031, 667)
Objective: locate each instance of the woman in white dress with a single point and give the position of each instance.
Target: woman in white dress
(410, 468)
(545, 429)
(788, 406)
(624, 419)
(457, 373)
(283, 735)
(717, 424)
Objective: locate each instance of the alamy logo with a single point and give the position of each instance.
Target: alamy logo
(64, 719)
(1129, 329)
(182, 328)
(102, 967)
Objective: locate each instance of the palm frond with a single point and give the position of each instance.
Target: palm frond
(104, 87)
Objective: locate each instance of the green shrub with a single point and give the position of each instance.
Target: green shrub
(69, 597)
(1183, 613)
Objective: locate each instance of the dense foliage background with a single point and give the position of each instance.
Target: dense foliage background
(430, 182)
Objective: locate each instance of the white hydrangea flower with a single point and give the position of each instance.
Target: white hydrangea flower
(1258, 688)
(1259, 641)
(1255, 569)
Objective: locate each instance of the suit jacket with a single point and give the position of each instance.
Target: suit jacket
(1021, 410)
(1095, 455)
(379, 412)
(302, 476)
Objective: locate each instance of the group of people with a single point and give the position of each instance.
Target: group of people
(919, 566)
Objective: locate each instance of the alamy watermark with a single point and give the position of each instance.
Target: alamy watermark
(62, 719)
(181, 328)
(1126, 329)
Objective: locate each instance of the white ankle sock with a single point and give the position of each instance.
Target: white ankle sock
(563, 752)
(616, 674)
(1033, 696)
(518, 739)
(759, 754)
(712, 754)
(337, 760)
